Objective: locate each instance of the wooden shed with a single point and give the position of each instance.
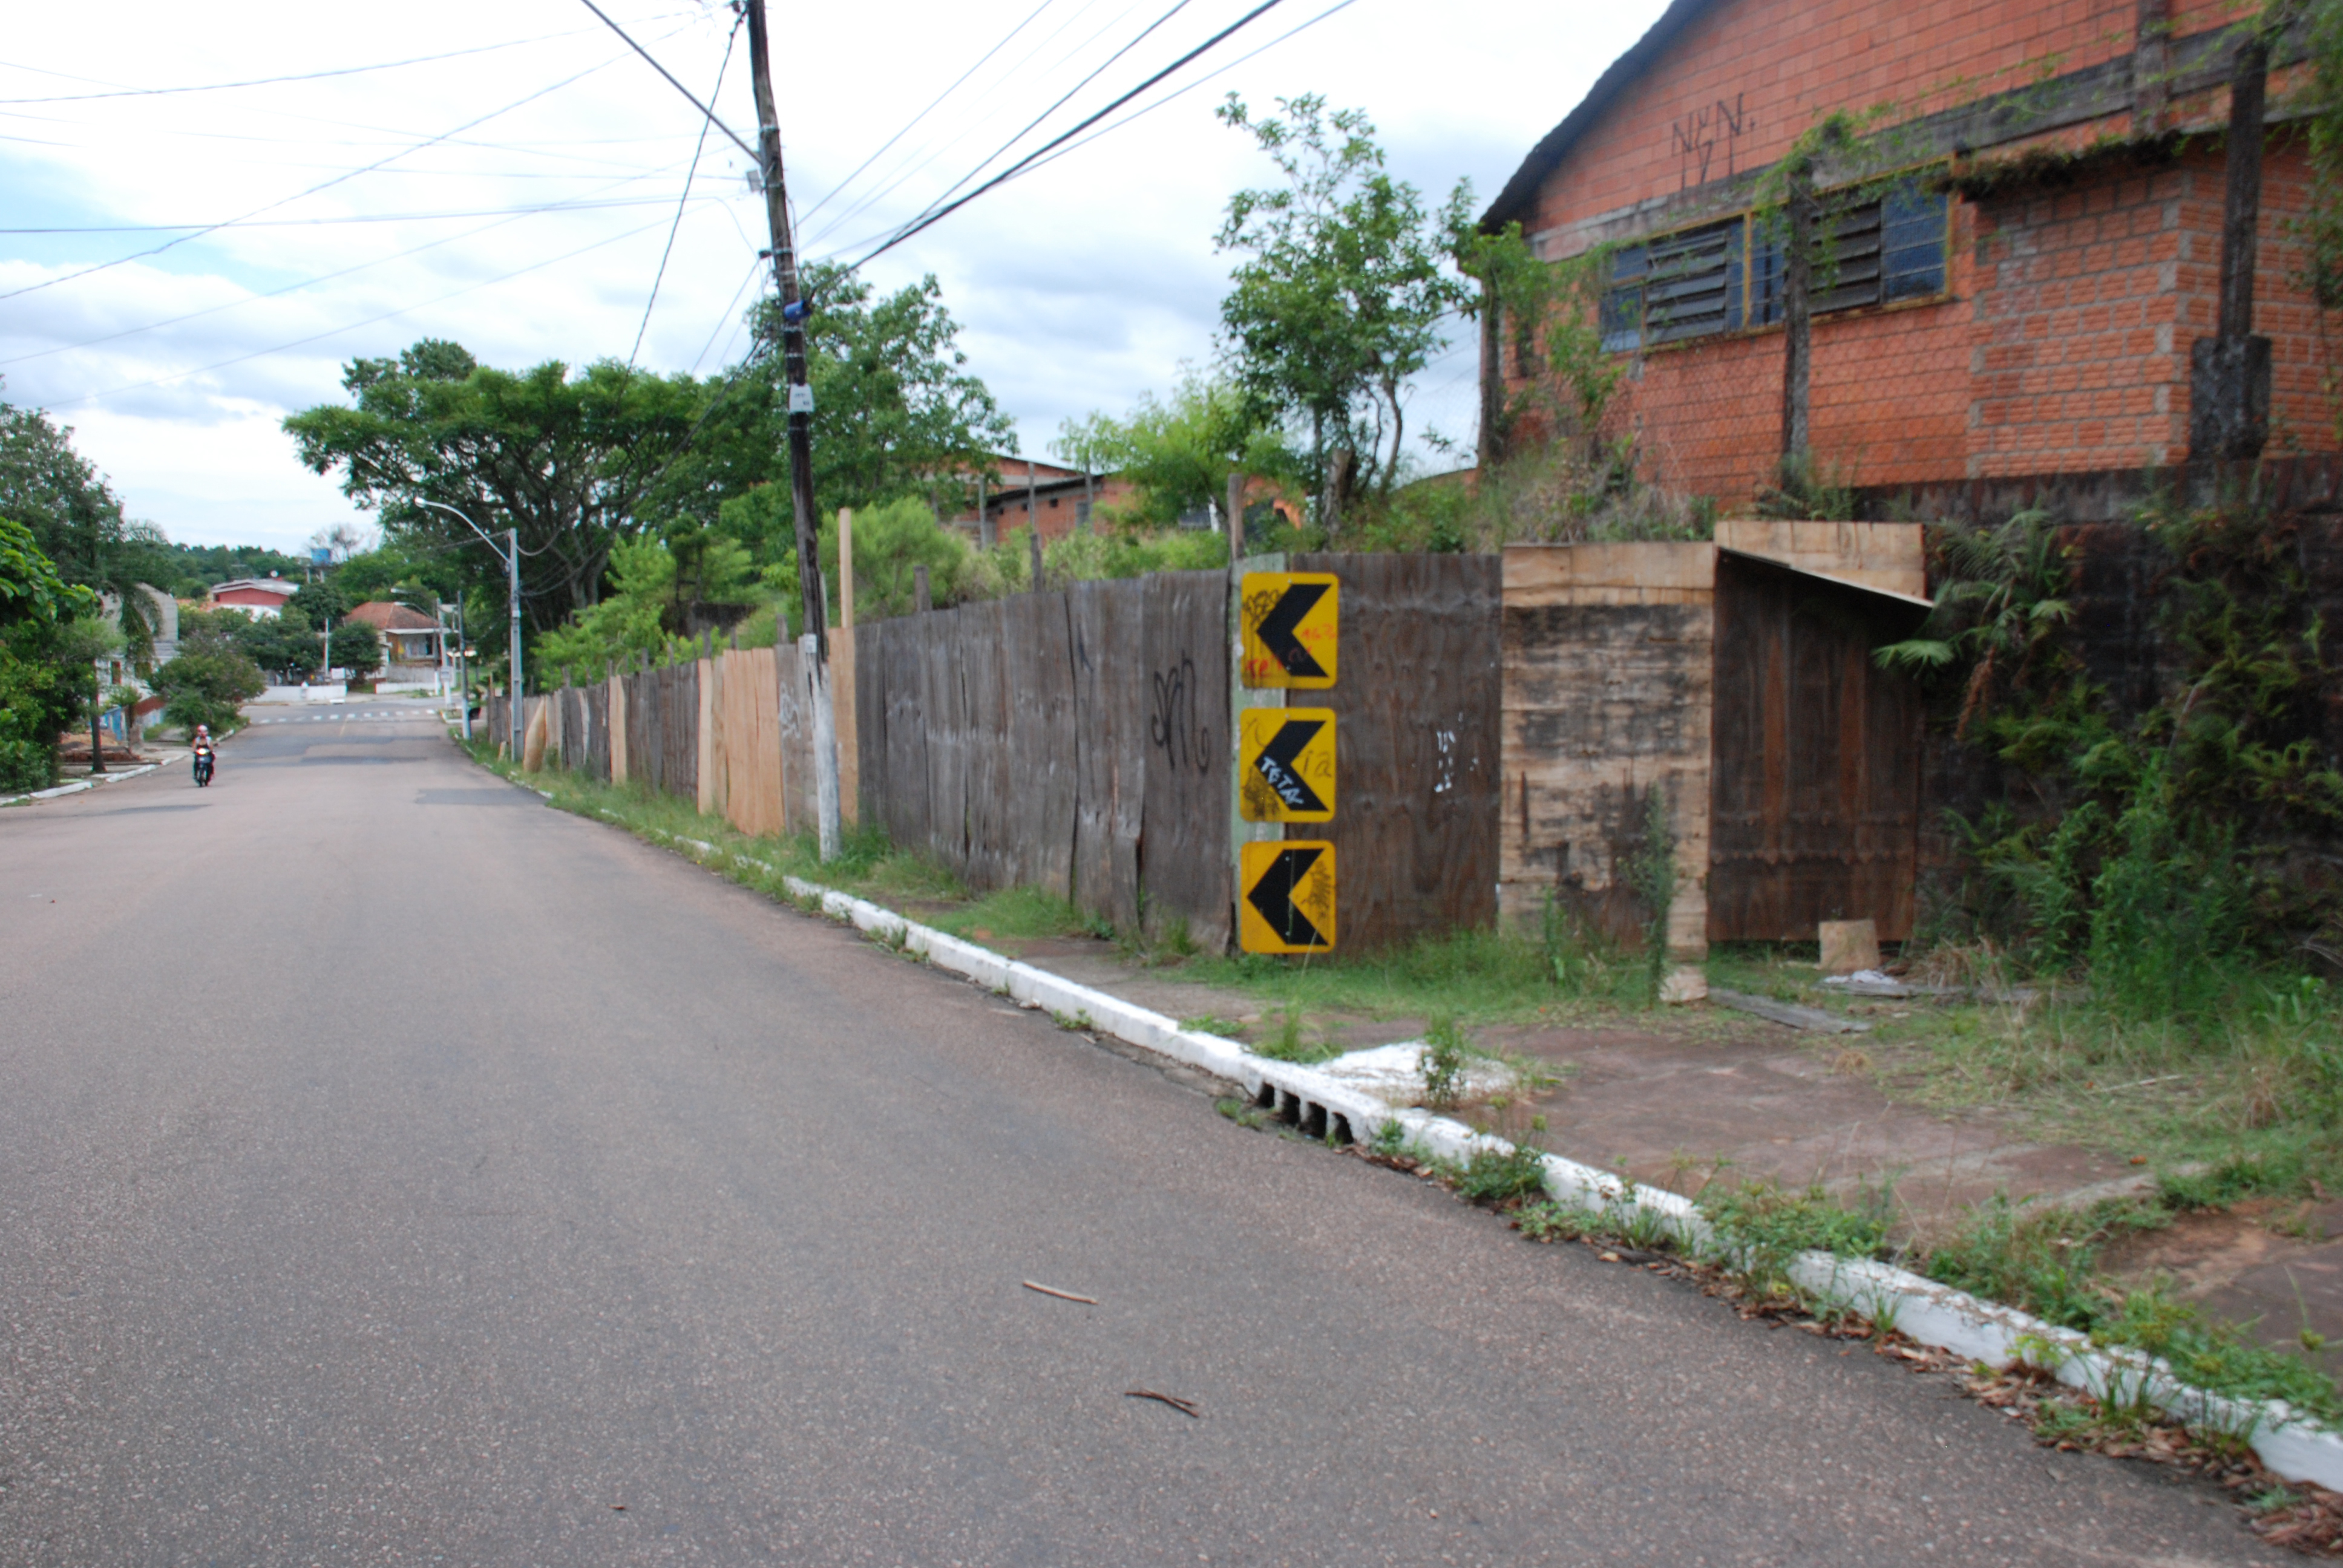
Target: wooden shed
(1737, 679)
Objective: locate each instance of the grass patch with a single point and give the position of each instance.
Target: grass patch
(1501, 1176)
(1016, 914)
(1213, 1024)
(1291, 1043)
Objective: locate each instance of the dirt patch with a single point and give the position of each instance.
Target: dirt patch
(2264, 1264)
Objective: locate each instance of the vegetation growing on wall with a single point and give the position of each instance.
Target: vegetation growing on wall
(2178, 856)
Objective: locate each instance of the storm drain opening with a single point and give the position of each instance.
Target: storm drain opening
(1314, 1120)
(1340, 1131)
(1289, 1106)
(1265, 1096)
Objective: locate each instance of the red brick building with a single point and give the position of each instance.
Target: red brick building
(2023, 301)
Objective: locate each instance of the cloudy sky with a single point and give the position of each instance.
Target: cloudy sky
(187, 258)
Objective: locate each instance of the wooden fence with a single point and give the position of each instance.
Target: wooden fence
(1081, 741)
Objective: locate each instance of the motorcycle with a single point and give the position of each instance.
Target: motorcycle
(203, 766)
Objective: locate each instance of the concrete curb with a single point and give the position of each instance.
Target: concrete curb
(1921, 1308)
(78, 785)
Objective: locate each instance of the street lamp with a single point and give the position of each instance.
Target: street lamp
(511, 556)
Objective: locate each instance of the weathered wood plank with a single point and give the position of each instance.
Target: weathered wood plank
(1417, 756)
(1038, 749)
(1110, 726)
(1184, 860)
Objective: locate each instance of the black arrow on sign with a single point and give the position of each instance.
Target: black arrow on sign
(1276, 632)
(1276, 764)
(1272, 896)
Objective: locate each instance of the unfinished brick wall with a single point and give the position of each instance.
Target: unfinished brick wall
(2061, 340)
(2087, 298)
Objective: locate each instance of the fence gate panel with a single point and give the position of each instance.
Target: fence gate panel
(1416, 729)
(1184, 858)
(986, 673)
(1109, 729)
(1038, 754)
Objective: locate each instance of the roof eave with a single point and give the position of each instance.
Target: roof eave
(1521, 191)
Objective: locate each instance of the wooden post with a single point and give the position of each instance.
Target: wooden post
(920, 587)
(846, 568)
(1033, 542)
(1491, 446)
(2229, 373)
(1236, 514)
(2151, 66)
(1797, 316)
(984, 536)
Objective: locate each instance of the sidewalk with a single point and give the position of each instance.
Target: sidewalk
(1703, 1094)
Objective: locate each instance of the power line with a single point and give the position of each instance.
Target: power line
(300, 77)
(369, 321)
(937, 215)
(685, 199)
(918, 162)
(1209, 76)
(588, 203)
(1177, 6)
(707, 112)
(294, 287)
(313, 190)
(932, 107)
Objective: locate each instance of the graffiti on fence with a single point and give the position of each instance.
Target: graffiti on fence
(1176, 727)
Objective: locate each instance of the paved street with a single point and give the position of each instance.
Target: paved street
(395, 1170)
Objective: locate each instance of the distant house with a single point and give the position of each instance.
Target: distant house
(263, 599)
(408, 636)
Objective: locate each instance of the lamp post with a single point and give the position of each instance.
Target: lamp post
(511, 556)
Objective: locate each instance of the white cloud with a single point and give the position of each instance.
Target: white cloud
(1081, 286)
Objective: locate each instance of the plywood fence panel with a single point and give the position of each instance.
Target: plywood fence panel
(1039, 749)
(1605, 703)
(1110, 732)
(943, 705)
(845, 709)
(1184, 856)
(980, 651)
(910, 810)
(1818, 759)
(1416, 754)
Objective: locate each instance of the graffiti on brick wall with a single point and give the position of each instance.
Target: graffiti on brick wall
(1695, 138)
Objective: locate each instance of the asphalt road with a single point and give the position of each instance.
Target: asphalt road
(393, 1170)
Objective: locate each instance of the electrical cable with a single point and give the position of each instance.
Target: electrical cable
(685, 199)
(921, 160)
(754, 268)
(937, 214)
(354, 326)
(294, 287)
(932, 107)
(709, 113)
(313, 190)
(300, 77)
(588, 203)
(1177, 6)
(1209, 76)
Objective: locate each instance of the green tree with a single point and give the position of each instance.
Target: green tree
(76, 521)
(209, 679)
(1340, 300)
(37, 685)
(895, 411)
(1179, 451)
(568, 460)
(355, 647)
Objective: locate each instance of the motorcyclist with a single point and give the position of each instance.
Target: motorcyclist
(206, 753)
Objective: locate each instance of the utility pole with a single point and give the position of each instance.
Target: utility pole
(512, 679)
(816, 640)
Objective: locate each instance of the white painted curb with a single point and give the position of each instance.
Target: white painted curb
(78, 785)
(1922, 1309)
